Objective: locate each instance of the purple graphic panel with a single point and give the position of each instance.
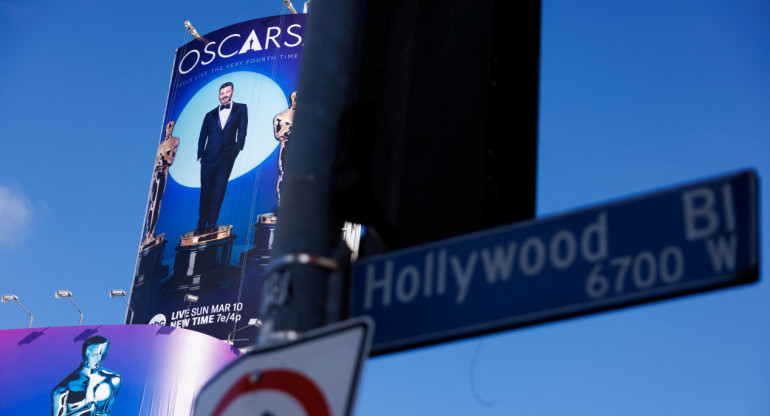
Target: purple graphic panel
(121, 369)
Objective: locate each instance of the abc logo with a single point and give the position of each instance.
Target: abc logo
(158, 319)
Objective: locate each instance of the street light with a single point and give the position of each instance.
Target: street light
(67, 294)
(190, 299)
(122, 294)
(14, 298)
(255, 322)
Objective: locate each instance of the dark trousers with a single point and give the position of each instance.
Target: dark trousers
(214, 177)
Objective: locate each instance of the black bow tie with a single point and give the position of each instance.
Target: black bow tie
(224, 107)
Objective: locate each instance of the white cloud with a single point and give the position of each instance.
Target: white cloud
(15, 216)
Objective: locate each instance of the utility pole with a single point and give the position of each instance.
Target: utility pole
(299, 274)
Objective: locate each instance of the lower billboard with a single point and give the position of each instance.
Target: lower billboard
(112, 369)
(216, 181)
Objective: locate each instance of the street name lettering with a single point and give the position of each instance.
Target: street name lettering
(685, 240)
(497, 262)
(443, 274)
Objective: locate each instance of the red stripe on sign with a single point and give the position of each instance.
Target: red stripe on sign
(292, 383)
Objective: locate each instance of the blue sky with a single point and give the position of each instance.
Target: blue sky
(634, 96)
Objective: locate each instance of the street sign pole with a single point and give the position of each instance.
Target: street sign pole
(301, 264)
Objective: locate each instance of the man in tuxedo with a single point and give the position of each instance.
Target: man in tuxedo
(222, 137)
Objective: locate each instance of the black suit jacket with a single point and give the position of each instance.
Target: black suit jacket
(217, 142)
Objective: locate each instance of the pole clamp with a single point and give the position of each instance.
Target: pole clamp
(303, 258)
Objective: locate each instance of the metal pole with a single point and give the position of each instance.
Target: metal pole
(297, 282)
(131, 321)
(76, 307)
(31, 317)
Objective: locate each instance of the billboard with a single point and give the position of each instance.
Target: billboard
(216, 179)
(109, 369)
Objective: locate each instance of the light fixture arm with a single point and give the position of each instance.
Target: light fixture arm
(76, 307)
(31, 317)
(232, 333)
(257, 323)
(190, 300)
(130, 321)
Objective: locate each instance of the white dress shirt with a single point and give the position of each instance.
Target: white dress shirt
(224, 114)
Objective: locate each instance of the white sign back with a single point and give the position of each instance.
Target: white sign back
(314, 375)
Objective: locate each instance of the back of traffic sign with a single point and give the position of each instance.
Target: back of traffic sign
(315, 375)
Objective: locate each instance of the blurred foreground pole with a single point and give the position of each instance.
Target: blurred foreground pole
(418, 119)
(297, 283)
